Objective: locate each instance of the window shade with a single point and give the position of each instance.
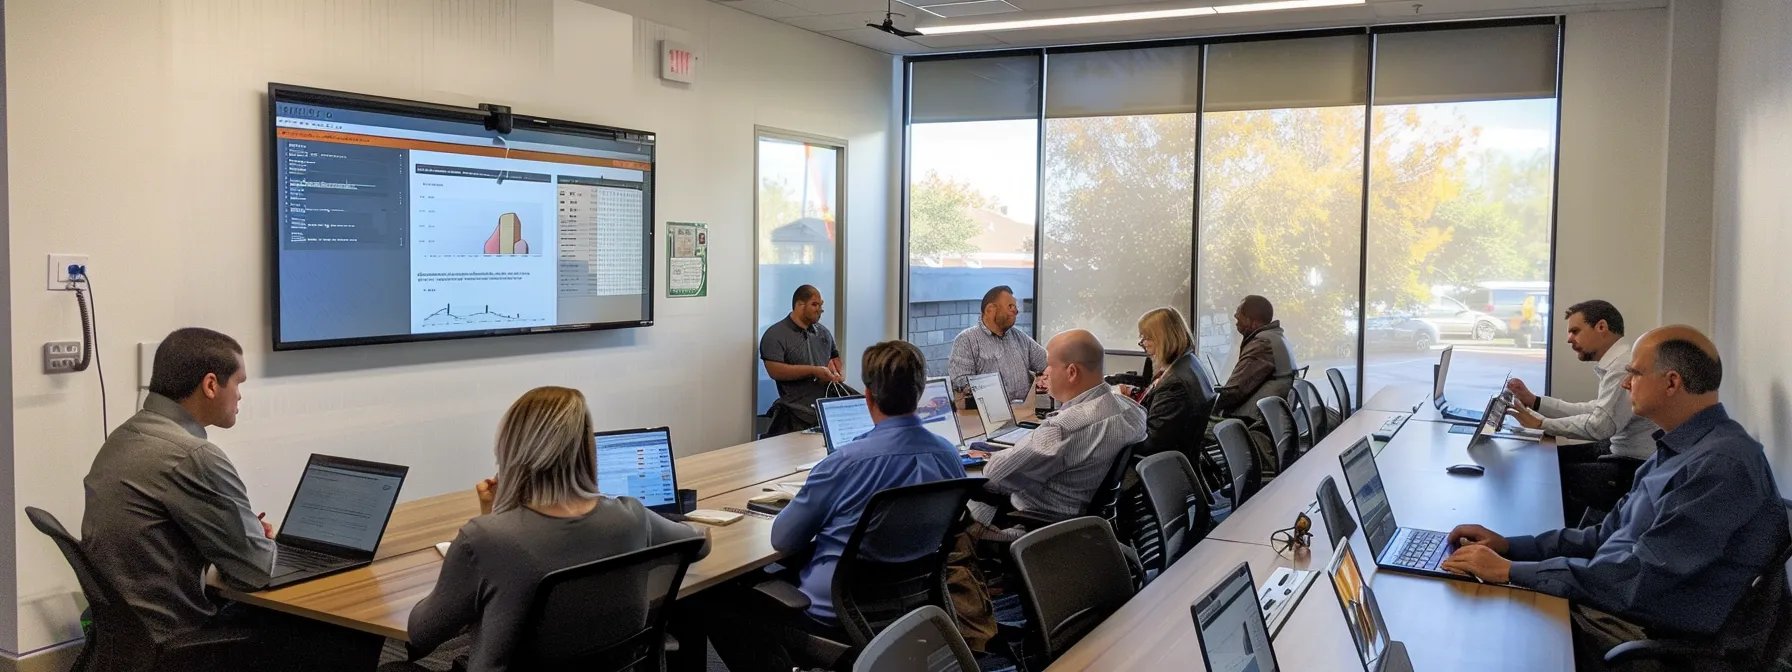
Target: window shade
(1278, 74)
(1505, 63)
(1164, 80)
(975, 89)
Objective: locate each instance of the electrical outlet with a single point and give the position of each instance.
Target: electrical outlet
(58, 279)
(61, 356)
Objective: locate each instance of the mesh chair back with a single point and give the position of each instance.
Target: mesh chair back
(120, 640)
(607, 615)
(1241, 460)
(1280, 420)
(1073, 576)
(1297, 411)
(1202, 397)
(1341, 390)
(1314, 406)
(1106, 500)
(895, 560)
(1180, 512)
(925, 639)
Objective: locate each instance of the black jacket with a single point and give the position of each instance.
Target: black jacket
(1177, 410)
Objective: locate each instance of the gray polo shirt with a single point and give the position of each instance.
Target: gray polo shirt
(162, 503)
(787, 343)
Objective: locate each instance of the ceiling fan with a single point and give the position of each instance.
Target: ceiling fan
(889, 24)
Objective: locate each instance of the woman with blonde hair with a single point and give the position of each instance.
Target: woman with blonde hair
(1180, 396)
(541, 513)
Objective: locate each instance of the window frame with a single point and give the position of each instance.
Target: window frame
(838, 310)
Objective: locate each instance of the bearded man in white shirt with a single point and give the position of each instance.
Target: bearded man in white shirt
(1594, 475)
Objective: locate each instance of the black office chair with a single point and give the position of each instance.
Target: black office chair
(607, 615)
(1280, 420)
(1243, 475)
(1756, 635)
(1342, 391)
(1179, 510)
(925, 639)
(1312, 405)
(121, 641)
(1073, 576)
(1338, 523)
(894, 563)
(1303, 428)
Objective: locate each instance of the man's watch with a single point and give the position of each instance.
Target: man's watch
(1537, 402)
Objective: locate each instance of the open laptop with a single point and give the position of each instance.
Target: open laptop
(337, 516)
(1400, 549)
(997, 412)
(843, 419)
(1230, 627)
(1378, 651)
(638, 463)
(1437, 391)
(936, 412)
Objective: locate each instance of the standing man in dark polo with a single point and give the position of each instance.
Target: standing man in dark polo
(995, 345)
(801, 356)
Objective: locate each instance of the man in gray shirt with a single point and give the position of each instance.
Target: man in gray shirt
(995, 345)
(799, 353)
(163, 502)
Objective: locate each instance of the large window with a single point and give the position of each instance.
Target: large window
(1389, 190)
(798, 233)
(1119, 182)
(973, 194)
(1461, 183)
(1281, 195)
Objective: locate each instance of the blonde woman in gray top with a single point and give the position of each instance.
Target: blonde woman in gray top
(540, 514)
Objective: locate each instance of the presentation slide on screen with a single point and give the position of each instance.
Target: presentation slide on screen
(396, 226)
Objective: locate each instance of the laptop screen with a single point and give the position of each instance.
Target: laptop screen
(1443, 373)
(1230, 626)
(638, 463)
(992, 402)
(936, 413)
(842, 420)
(1495, 416)
(343, 502)
(1371, 500)
(1361, 614)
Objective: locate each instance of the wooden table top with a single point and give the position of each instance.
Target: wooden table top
(1444, 624)
(378, 598)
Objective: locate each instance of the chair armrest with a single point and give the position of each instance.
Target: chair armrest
(1032, 520)
(1620, 459)
(1661, 649)
(782, 595)
(990, 497)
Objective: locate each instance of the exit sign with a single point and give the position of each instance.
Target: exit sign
(677, 62)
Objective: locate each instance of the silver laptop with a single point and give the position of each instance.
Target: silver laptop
(638, 463)
(1400, 549)
(997, 411)
(337, 516)
(1378, 651)
(937, 414)
(1230, 626)
(843, 420)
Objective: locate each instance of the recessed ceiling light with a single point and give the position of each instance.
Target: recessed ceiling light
(1114, 17)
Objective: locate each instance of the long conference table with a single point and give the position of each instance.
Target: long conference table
(1445, 624)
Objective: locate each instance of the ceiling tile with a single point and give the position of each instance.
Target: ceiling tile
(771, 9)
(973, 8)
(841, 6)
(1046, 5)
(879, 40)
(822, 23)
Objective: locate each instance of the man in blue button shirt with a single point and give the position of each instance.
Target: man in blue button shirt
(897, 452)
(1702, 520)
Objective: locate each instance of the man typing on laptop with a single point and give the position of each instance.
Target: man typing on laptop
(163, 503)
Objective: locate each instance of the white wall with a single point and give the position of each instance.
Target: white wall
(143, 126)
(1691, 141)
(1609, 194)
(1753, 198)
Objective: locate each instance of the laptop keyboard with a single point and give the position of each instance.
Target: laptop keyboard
(1421, 545)
(1013, 436)
(302, 559)
(1470, 414)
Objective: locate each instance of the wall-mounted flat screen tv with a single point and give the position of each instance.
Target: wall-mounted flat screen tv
(399, 221)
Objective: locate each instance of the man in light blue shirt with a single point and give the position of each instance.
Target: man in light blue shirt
(897, 452)
(1702, 521)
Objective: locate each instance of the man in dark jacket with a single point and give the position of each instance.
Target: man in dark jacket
(1265, 365)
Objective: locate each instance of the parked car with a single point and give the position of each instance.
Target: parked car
(1513, 305)
(1443, 318)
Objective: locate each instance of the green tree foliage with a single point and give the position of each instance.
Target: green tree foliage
(939, 215)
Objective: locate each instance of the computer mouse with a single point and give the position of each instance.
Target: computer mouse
(1466, 469)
